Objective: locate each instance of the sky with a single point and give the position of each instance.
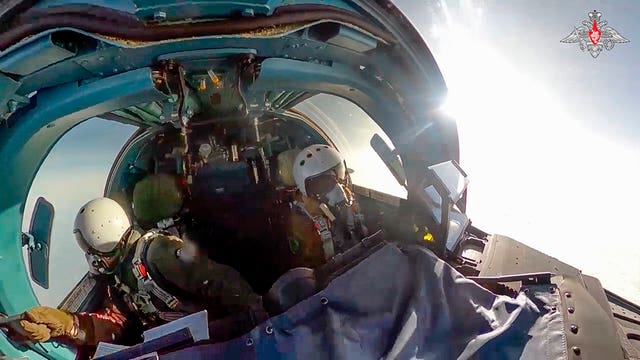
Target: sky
(74, 173)
(549, 136)
(351, 129)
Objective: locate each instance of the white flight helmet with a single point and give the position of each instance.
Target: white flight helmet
(318, 170)
(100, 228)
(286, 160)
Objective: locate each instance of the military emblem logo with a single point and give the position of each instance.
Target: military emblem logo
(594, 35)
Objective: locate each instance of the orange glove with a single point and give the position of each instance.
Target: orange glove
(42, 323)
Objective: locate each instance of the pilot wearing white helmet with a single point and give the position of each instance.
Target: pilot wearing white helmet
(320, 173)
(150, 282)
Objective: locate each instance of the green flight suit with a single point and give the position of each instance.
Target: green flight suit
(198, 282)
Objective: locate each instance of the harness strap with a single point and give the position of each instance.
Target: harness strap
(322, 227)
(137, 302)
(146, 284)
(326, 236)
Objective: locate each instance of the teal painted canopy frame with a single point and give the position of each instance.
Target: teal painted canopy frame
(23, 148)
(58, 107)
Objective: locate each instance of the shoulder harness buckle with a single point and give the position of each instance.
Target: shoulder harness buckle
(145, 281)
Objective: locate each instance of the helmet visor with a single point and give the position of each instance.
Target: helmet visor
(83, 243)
(100, 265)
(323, 183)
(101, 262)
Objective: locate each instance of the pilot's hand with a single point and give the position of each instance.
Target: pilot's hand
(33, 332)
(42, 323)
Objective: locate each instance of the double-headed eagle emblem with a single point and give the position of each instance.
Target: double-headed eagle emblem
(594, 35)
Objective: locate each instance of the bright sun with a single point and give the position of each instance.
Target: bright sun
(536, 173)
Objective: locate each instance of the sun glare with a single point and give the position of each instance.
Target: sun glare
(536, 173)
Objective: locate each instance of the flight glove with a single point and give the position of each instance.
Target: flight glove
(42, 323)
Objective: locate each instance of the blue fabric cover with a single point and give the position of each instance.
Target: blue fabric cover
(403, 304)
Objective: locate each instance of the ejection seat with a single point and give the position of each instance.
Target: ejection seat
(300, 283)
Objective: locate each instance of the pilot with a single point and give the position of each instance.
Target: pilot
(152, 279)
(324, 199)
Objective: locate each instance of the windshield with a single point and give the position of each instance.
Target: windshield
(80, 162)
(240, 159)
(351, 129)
(547, 132)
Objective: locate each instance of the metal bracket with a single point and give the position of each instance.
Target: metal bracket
(168, 10)
(624, 314)
(29, 241)
(9, 101)
(538, 278)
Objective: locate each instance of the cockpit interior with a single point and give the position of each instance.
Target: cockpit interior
(222, 96)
